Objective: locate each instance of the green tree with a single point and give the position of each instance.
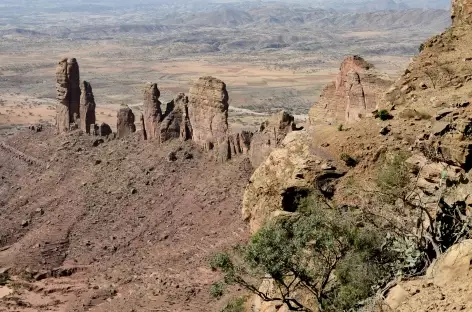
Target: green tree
(320, 251)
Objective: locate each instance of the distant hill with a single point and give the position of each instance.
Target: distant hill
(223, 17)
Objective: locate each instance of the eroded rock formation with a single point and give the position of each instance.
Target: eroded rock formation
(176, 124)
(152, 115)
(294, 169)
(87, 107)
(269, 136)
(125, 122)
(461, 11)
(356, 92)
(68, 94)
(186, 131)
(208, 112)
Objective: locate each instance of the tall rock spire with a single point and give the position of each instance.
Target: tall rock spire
(87, 107)
(152, 115)
(68, 93)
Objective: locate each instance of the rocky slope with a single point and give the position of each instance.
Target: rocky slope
(430, 121)
(94, 223)
(134, 228)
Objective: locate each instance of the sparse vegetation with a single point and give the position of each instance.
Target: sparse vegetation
(421, 47)
(397, 184)
(383, 115)
(394, 177)
(235, 305)
(217, 290)
(4, 278)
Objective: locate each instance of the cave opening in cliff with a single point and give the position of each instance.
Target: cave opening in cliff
(291, 198)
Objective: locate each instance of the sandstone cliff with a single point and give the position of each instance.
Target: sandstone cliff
(356, 93)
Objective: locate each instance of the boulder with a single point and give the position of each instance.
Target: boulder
(125, 122)
(396, 297)
(356, 92)
(104, 130)
(292, 169)
(270, 135)
(452, 265)
(87, 107)
(152, 115)
(208, 112)
(68, 94)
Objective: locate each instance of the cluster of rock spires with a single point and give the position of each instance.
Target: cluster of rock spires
(75, 101)
(201, 117)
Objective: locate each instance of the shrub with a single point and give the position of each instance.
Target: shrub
(394, 177)
(341, 127)
(421, 47)
(383, 115)
(217, 290)
(4, 278)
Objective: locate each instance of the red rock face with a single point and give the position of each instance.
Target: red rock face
(269, 136)
(125, 122)
(208, 112)
(175, 124)
(152, 112)
(87, 107)
(355, 93)
(461, 11)
(73, 76)
(68, 94)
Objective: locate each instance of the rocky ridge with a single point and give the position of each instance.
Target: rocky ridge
(201, 117)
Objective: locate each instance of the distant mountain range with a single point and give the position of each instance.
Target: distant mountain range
(380, 5)
(18, 7)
